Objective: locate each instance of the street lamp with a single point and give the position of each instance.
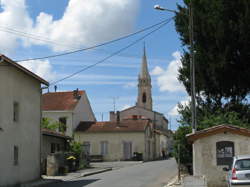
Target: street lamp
(192, 63)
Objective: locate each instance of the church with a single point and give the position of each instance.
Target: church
(137, 130)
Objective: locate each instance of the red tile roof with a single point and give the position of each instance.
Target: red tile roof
(49, 132)
(112, 126)
(60, 100)
(217, 129)
(8, 60)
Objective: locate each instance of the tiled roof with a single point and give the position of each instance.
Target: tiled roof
(8, 60)
(218, 129)
(112, 126)
(48, 132)
(60, 100)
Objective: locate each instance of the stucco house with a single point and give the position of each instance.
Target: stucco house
(117, 140)
(20, 116)
(52, 142)
(214, 148)
(68, 108)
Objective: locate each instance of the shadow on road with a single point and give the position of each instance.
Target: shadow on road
(78, 183)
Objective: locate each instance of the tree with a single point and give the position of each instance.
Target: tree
(48, 123)
(221, 44)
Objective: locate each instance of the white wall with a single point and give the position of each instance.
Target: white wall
(19, 87)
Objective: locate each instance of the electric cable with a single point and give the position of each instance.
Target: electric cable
(113, 54)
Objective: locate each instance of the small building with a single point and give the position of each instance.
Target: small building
(20, 116)
(68, 108)
(214, 148)
(117, 140)
(53, 142)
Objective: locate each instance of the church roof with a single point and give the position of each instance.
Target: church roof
(144, 66)
(60, 100)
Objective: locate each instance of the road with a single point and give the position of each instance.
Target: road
(148, 174)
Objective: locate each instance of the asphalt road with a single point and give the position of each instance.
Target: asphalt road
(148, 174)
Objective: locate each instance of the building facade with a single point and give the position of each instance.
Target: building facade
(20, 116)
(214, 148)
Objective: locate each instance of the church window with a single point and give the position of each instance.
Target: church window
(144, 97)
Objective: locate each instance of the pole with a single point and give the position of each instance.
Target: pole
(179, 168)
(192, 67)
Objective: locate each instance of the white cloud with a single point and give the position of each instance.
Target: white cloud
(41, 68)
(174, 110)
(84, 22)
(167, 79)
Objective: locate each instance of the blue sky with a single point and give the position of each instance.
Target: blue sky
(71, 24)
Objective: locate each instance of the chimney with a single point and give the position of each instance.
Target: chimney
(55, 88)
(112, 116)
(118, 117)
(76, 94)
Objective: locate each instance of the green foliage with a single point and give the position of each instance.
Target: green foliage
(48, 123)
(185, 148)
(221, 43)
(76, 148)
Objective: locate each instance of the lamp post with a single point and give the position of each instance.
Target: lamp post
(192, 63)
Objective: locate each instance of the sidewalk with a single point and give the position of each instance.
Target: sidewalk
(69, 176)
(188, 181)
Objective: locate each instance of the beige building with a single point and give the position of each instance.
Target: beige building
(52, 142)
(117, 140)
(68, 108)
(214, 148)
(20, 115)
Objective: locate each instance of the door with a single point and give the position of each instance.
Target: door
(127, 150)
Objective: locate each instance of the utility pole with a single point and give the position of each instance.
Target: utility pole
(192, 66)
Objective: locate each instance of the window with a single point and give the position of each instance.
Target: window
(58, 148)
(104, 148)
(62, 124)
(224, 152)
(53, 148)
(15, 111)
(144, 98)
(86, 148)
(15, 155)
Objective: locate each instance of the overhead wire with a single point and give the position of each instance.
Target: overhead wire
(98, 45)
(113, 54)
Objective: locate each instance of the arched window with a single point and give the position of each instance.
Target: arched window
(224, 152)
(144, 98)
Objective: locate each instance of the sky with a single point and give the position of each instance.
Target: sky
(38, 28)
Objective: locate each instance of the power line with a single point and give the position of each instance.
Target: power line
(98, 45)
(113, 54)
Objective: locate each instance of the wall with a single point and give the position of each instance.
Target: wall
(82, 112)
(55, 115)
(115, 143)
(147, 113)
(204, 156)
(25, 133)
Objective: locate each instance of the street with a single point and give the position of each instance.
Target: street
(148, 174)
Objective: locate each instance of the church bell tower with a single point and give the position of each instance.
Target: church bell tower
(144, 98)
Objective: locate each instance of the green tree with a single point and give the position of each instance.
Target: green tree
(48, 123)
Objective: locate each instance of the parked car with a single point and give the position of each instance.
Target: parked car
(239, 173)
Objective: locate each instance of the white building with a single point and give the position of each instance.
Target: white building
(69, 108)
(20, 115)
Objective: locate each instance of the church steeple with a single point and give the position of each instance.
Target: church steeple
(144, 98)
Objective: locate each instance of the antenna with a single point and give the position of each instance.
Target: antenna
(114, 102)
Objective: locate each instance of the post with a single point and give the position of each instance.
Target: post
(179, 168)
(192, 67)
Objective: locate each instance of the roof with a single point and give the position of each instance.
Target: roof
(216, 130)
(144, 74)
(60, 100)
(112, 126)
(48, 132)
(26, 71)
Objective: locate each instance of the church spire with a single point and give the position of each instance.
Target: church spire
(144, 98)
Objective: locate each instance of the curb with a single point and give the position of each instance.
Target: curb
(96, 172)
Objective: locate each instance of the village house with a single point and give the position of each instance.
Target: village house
(214, 149)
(52, 142)
(129, 128)
(20, 116)
(69, 108)
(117, 140)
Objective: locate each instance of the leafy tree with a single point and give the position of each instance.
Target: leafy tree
(48, 123)
(221, 44)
